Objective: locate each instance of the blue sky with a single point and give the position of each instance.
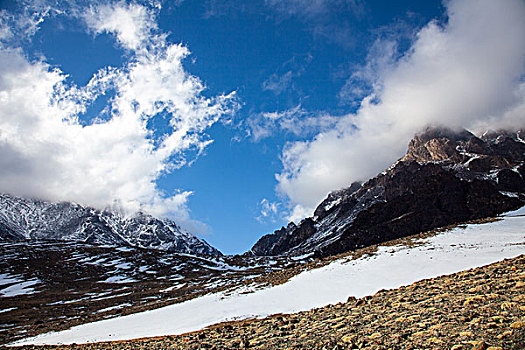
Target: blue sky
(233, 117)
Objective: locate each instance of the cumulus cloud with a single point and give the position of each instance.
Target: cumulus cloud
(132, 24)
(116, 159)
(467, 72)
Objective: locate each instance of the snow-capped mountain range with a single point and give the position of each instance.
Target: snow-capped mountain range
(29, 219)
(446, 177)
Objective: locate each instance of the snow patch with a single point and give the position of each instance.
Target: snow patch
(6, 278)
(509, 194)
(114, 307)
(21, 288)
(169, 289)
(7, 310)
(391, 267)
(119, 279)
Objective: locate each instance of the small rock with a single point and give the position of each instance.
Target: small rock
(435, 340)
(375, 336)
(506, 305)
(479, 345)
(360, 302)
(347, 339)
(504, 334)
(519, 284)
(466, 334)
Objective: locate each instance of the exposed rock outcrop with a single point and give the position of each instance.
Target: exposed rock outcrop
(445, 177)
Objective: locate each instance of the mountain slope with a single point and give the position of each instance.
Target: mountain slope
(445, 177)
(353, 275)
(28, 219)
(44, 284)
(481, 313)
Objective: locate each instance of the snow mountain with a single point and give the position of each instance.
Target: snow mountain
(28, 219)
(446, 177)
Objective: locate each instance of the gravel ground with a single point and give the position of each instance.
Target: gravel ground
(482, 308)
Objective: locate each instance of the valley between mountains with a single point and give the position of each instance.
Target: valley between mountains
(452, 203)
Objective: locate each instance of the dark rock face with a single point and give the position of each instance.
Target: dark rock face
(27, 219)
(445, 177)
(291, 235)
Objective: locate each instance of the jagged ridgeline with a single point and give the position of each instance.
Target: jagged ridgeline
(446, 177)
(26, 219)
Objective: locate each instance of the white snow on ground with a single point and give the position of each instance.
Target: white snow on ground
(391, 267)
(119, 279)
(7, 310)
(114, 307)
(169, 289)
(20, 288)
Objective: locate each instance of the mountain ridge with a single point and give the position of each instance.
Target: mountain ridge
(445, 177)
(32, 219)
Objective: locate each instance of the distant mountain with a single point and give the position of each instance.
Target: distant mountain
(446, 177)
(28, 219)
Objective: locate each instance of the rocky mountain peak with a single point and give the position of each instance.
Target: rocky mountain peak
(36, 220)
(447, 176)
(438, 144)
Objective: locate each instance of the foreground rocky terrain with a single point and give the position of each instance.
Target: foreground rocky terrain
(50, 286)
(445, 177)
(482, 308)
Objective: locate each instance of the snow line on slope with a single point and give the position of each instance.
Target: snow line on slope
(392, 267)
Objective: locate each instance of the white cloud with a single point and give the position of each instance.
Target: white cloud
(278, 83)
(294, 121)
(5, 31)
(46, 152)
(25, 23)
(282, 80)
(131, 23)
(268, 210)
(367, 79)
(466, 73)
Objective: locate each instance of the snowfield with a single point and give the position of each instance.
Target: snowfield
(453, 251)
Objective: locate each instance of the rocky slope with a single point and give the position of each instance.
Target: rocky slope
(28, 219)
(52, 286)
(445, 177)
(482, 309)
